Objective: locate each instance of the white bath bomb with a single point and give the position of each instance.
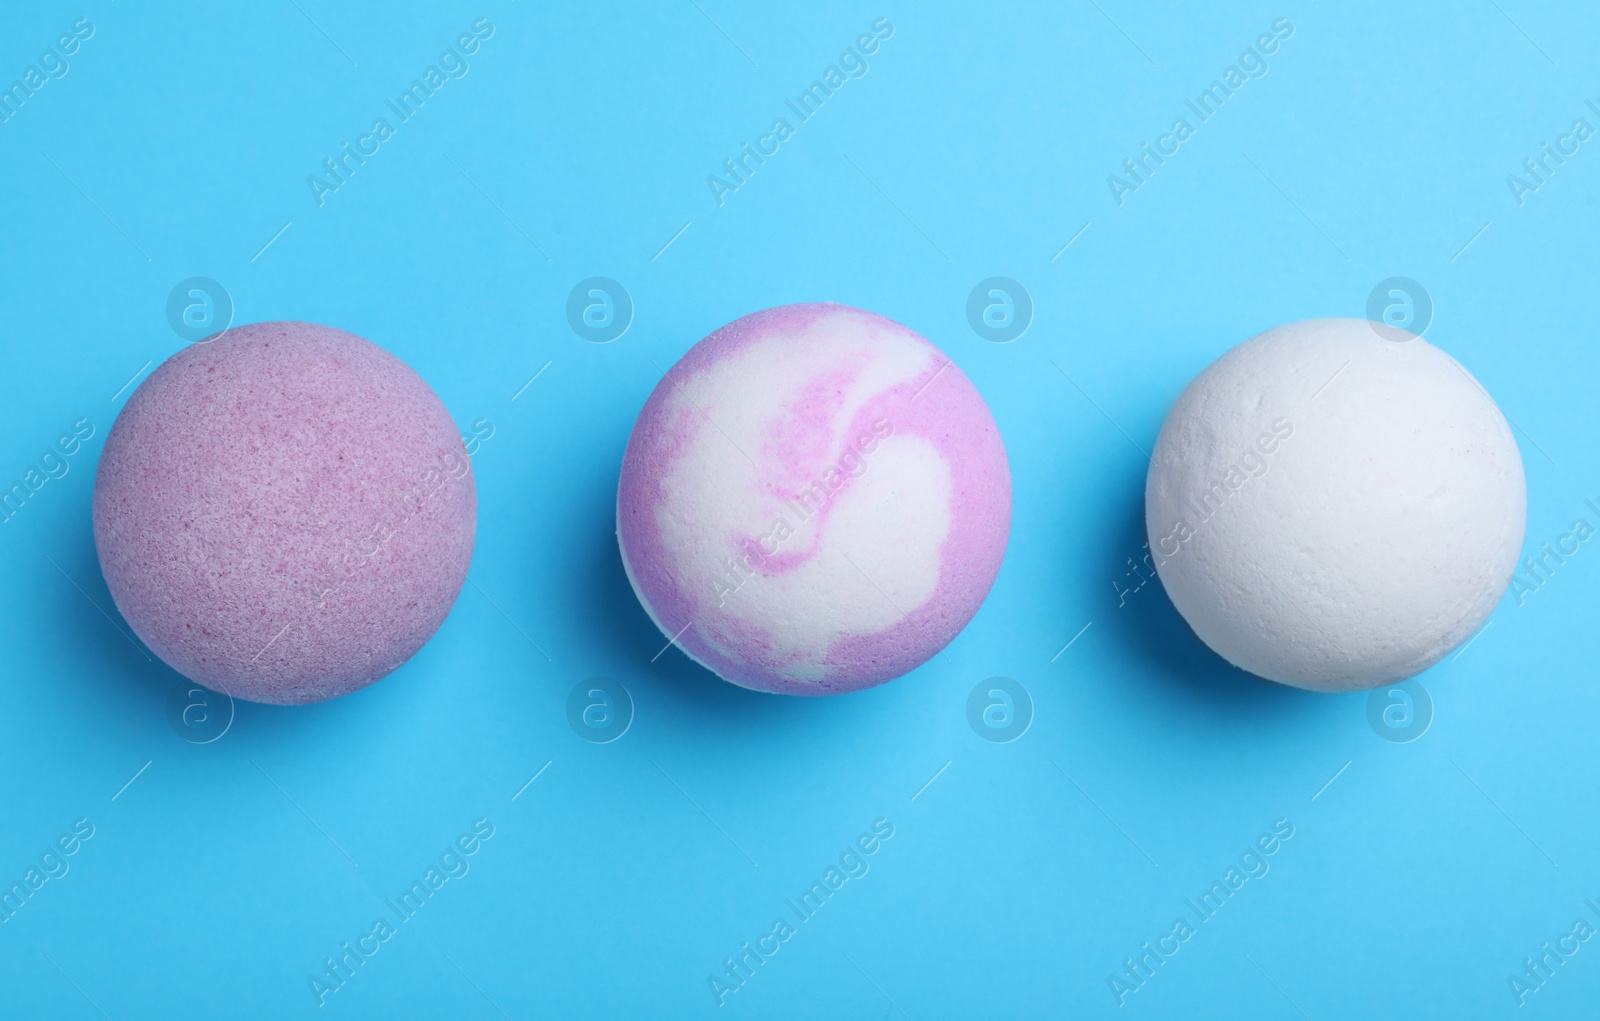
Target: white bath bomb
(1335, 504)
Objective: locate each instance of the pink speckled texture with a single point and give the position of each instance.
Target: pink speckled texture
(284, 512)
(937, 408)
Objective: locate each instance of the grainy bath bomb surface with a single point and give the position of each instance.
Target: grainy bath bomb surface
(813, 501)
(1335, 504)
(284, 512)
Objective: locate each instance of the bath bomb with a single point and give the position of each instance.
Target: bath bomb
(814, 500)
(284, 512)
(1335, 504)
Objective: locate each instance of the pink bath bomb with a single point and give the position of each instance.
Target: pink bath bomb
(813, 501)
(284, 512)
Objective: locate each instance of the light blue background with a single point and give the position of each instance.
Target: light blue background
(1017, 881)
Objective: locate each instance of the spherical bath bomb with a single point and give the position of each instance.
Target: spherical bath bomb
(1335, 504)
(813, 501)
(284, 512)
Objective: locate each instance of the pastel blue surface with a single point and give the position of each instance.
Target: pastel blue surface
(1021, 877)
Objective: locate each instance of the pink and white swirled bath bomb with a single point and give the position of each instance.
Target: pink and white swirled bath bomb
(813, 501)
(284, 512)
